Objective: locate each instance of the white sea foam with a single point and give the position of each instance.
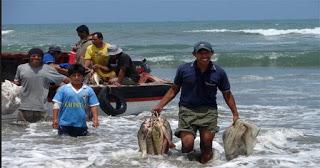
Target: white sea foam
(256, 78)
(161, 58)
(276, 140)
(124, 153)
(168, 58)
(114, 144)
(265, 32)
(4, 32)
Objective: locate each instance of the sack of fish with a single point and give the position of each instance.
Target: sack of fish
(155, 136)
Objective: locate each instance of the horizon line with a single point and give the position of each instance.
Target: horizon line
(101, 22)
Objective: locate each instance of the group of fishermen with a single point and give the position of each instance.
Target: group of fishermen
(198, 81)
(111, 64)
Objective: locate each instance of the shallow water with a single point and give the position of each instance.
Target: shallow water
(283, 102)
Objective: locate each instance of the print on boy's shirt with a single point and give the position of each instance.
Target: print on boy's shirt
(73, 105)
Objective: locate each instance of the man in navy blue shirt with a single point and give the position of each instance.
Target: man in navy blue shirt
(199, 81)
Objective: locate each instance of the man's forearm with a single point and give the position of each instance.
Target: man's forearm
(94, 111)
(55, 114)
(95, 119)
(172, 92)
(55, 122)
(229, 99)
(87, 63)
(121, 75)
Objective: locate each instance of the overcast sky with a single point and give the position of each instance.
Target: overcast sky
(97, 11)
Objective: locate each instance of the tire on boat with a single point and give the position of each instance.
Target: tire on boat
(104, 98)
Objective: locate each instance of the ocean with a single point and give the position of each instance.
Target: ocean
(273, 67)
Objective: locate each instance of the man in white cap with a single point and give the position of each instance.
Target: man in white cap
(199, 81)
(122, 64)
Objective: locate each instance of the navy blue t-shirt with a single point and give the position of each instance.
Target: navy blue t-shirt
(200, 89)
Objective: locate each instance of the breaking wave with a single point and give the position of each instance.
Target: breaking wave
(264, 32)
(4, 32)
(246, 59)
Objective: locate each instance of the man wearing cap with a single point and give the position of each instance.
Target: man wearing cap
(52, 53)
(97, 56)
(122, 64)
(199, 81)
(50, 57)
(35, 78)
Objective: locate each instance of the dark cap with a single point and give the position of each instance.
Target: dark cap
(54, 49)
(37, 51)
(202, 45)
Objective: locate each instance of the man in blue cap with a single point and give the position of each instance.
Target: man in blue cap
(50, 57)
(52, 53)
(199, 81)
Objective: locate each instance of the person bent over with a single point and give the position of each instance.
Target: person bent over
(70, 103)
(122, 65)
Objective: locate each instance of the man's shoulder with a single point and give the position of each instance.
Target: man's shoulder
(106, 45)
(87, 87)
(64, 87)
(185, 65)
(24, 68)
(47, 67)
(87, 41)
(125, 56)
(218, 68)
(23, 65)
(90, 46)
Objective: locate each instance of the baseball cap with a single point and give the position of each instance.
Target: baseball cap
(48, 58)
(202, 45)
(114, 50)
(54, 49)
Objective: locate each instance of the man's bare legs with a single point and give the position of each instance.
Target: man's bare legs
(187, 140)
(206, 138)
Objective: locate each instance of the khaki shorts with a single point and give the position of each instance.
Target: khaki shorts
(191, 120)
(32, 116)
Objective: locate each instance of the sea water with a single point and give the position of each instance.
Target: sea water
(273, 68)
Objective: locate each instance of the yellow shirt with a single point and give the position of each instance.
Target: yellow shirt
(99, 56)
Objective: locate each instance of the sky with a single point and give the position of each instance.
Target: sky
(104, 11)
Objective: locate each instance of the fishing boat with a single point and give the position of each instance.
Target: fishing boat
(114, 100)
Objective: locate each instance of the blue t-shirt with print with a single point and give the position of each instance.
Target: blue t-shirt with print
(72, 104)
(200, 89)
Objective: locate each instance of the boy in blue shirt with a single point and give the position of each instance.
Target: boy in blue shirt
(70, 101)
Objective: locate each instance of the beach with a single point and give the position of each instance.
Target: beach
(273, 67)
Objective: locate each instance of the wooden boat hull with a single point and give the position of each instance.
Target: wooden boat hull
(113, 99)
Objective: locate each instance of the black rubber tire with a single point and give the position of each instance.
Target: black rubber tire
(104, 98)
